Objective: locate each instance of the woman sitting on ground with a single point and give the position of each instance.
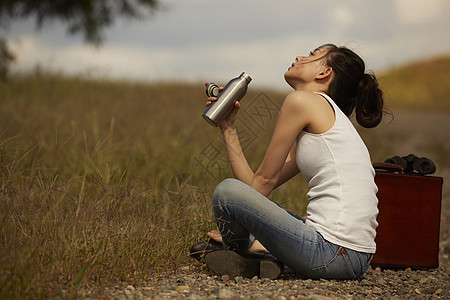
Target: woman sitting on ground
(314, 136)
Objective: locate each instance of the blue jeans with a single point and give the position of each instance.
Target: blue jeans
(242, 214)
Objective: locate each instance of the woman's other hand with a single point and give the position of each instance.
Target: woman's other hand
(229, 120)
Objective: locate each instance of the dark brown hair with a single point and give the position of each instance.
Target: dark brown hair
(352, 89)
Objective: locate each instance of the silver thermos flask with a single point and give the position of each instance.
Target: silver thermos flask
(233, 91)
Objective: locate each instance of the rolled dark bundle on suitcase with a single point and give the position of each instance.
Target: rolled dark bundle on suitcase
(410, 159)
(424, 165)
(411, 163)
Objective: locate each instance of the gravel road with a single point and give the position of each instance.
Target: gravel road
(196, 282)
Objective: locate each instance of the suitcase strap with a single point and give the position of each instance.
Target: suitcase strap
(388, 167)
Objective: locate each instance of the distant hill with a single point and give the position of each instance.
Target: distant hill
(421, 85)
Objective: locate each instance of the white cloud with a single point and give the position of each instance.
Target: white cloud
(265, 61)
(419, 11)
(342, 16)
(190, 43)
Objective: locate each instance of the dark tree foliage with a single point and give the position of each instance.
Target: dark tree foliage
(88, 17)
(6, 58)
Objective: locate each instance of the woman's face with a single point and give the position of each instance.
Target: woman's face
(305, 68)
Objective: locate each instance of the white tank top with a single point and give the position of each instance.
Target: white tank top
(342, 197)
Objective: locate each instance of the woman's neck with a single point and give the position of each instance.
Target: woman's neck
(311, 87)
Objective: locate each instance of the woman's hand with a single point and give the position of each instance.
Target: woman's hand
(238, 162)
(228, 121)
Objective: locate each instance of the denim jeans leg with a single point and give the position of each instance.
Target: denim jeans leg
(240, 210)
(243, 214)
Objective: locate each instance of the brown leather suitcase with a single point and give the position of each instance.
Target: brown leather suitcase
(408, 220)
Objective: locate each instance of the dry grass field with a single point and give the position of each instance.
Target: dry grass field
(102, 182)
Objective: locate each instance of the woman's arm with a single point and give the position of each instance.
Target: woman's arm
(290, 168)
(236, 157)
(242, 170)
(295, 114)
(279, 163)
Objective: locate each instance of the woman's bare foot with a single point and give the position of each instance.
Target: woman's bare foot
(215, 235)
(256, 247)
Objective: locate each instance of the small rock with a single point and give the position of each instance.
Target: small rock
(377, 291)
(428, 290)
(182, 288)
(423, 280)
(318, 297)
(131, 288)
(226, 293)
(401, 290)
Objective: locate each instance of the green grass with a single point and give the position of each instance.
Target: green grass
(102, 182)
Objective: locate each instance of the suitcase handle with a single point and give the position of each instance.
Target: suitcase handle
(381, 166)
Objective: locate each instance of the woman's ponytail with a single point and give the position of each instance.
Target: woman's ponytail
(351, 88)
(369, 102)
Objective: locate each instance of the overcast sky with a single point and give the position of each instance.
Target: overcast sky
(218, 39)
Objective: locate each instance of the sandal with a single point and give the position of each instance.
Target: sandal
(200, 249)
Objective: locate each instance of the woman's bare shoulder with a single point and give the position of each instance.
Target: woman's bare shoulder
(302, 99)
(317, 113)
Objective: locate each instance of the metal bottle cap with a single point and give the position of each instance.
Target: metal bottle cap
(212, 90)
(246, 76)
